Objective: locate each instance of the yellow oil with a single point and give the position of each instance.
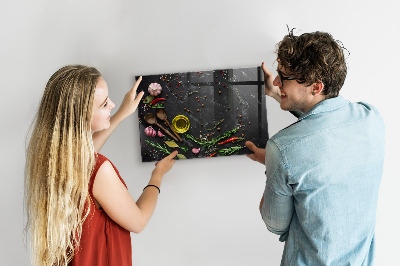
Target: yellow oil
(180, 124)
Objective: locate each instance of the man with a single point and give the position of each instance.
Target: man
(323, 171)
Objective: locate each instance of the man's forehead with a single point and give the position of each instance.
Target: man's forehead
(283, 70)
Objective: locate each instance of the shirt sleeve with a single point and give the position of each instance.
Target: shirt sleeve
(277, 209)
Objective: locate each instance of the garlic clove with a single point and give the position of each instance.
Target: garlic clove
(160, 134)
(196, 150)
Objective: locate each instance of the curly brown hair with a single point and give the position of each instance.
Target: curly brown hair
(314, 57)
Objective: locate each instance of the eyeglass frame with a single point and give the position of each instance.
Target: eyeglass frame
(282, 78)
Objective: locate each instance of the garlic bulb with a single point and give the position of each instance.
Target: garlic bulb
(150, 132)
(154, 89)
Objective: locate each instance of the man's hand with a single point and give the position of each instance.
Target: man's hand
(259, 154)
(270, 89)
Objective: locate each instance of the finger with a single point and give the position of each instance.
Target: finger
(251, 156)
(139, 96)
(265, 69)
(251, 146)
(136, 85)
(172, 155)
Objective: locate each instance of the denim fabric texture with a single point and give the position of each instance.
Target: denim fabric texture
(323, 176)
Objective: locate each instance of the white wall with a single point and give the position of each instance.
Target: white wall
(208, 208)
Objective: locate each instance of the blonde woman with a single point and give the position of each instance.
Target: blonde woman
(79, 211)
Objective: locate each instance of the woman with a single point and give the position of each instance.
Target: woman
(78, 207)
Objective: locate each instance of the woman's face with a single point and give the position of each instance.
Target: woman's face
(102, 106)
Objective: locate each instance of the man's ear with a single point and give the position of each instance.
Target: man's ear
(317, 88)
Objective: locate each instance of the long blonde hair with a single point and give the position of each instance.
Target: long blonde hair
(59, 161)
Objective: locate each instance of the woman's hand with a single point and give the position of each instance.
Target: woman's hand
(270, 89)
(128, 107)
(163, 166)
(131, 101)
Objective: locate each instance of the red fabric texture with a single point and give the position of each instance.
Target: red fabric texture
(103, 241)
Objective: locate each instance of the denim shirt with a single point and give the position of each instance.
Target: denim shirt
(323, 176)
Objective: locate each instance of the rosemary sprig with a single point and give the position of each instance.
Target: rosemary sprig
(229, 151)
(213, 141)
(219, 122)
(158, 146)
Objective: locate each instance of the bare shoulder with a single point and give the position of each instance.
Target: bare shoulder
(106, 169)
(114, 198)
(106, 179)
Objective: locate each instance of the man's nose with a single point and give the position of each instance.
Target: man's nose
(277, 81)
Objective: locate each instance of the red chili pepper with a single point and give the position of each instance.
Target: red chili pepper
(230, 140)
(156, 100)
(211, 155)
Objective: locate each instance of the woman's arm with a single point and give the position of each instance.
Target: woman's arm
(116, 201)
(128, 107)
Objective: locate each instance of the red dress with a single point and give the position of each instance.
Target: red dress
(103, 241)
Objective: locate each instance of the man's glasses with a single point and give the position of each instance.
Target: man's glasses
(282, 78)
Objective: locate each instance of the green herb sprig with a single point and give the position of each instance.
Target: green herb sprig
(158, 146)
(212, 141)
(231, 150)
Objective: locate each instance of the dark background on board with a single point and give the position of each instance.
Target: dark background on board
(235, 96)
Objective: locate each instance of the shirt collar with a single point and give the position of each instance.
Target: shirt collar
(325, 106)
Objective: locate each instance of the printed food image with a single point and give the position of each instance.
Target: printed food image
(202, 114)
